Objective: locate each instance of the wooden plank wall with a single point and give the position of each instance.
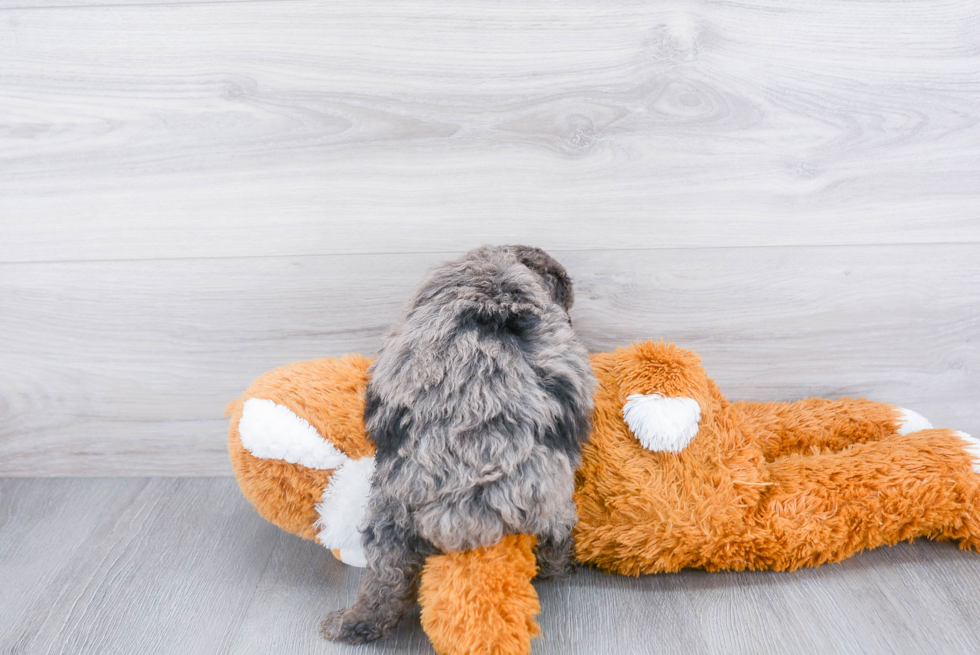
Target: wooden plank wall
(192, 193)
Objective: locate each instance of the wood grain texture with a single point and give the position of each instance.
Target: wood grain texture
(186, 566)
(126, 565)
(213, 129)
(122, 368)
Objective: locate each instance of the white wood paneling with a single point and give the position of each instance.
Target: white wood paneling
(121, 368)
(192, 193)
(132, 131)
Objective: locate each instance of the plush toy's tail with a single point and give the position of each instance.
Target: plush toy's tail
(481, 602)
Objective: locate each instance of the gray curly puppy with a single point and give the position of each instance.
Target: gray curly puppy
(479, 401)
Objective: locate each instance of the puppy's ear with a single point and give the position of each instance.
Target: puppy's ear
(554, 275)
(387, 425)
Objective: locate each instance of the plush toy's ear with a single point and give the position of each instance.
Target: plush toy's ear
(663, 390)
(662, 424)
(656, 367)
(554, 274)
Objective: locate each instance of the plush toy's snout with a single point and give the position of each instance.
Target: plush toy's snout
(300, 453)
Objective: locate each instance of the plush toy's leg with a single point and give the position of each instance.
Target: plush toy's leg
(481, 602)
(388, 590)
(823, 508)
(818, 424)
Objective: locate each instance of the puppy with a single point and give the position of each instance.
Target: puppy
(479, 401)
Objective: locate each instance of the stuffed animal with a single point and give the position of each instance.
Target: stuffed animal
(673, 476)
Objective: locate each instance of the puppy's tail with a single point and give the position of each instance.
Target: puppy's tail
(481, 602)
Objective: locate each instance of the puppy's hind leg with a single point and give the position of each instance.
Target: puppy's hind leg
(555, 549)
(388, 590)
(556, 557)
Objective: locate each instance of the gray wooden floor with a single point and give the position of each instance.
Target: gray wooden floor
(168, 565)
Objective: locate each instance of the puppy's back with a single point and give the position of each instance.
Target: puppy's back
(479, 401)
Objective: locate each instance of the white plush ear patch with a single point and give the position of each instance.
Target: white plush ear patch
(344, 505)
(662, 424)
(910, 421)
(972, 447)
(272, 431)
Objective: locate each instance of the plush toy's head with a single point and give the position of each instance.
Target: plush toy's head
(300, 453)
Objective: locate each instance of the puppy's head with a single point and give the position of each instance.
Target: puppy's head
(553, 274)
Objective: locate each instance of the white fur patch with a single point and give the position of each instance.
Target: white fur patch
(912, 421)
(272, 431)
(972, 448)
(344, 505)
(353, 557)
(660, 423)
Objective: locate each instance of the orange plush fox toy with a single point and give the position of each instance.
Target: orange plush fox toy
(673, 476)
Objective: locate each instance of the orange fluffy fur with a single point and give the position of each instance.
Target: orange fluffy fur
(481, 602)
(761, 485)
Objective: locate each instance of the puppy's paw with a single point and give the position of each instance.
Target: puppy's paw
(348, 627)
(551, 569)
(555, 560)
(330, 624)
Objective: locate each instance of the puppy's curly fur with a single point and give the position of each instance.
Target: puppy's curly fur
(479, 401)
